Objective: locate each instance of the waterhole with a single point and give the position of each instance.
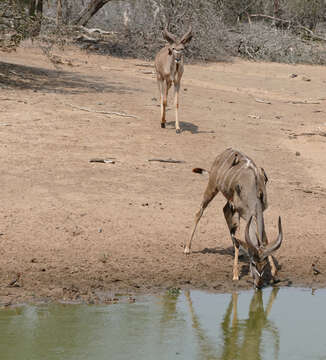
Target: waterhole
(284, 323)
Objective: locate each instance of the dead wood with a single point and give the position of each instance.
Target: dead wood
(91, 9)
(310, 32)
(263, 101)
(103, 112)
(86, 38)
(254, 116)
(145, 65)
(311, 133)
(96, 30)
(168, 161)
(311, 191)
(305, 102)
(104, 161)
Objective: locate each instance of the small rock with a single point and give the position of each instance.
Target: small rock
(292, 76)
(297, 153)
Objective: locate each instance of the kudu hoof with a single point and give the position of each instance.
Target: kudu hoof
(163, 125)
(186, 251)
(178, 131)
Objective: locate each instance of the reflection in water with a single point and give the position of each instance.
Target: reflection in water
(245, 337)
(194, 325)
(241, 338)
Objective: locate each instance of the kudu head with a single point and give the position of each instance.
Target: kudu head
(258, 251)
(176, 48)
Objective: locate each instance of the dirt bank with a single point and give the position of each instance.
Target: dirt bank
(76, 230)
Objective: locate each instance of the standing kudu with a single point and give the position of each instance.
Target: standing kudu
(243, 185)
(169, 68)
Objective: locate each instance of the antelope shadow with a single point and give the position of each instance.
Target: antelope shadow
(22, 77)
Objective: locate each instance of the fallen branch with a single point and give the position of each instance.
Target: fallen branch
(105, 161)
(311, 33)
(86, 38)
(254, 116)
(309, 191)
(305, 102)
(103, 112)
(263, 101)
(13, 99)
(145, 65)
(312, 133)
(96, 30)
(168, 161)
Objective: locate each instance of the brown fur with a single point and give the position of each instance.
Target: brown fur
(243, 184)
(169, 68)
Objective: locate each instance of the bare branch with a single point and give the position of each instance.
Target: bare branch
(311, 33)
(103, 112)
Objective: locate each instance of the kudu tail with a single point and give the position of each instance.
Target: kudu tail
(200, 171)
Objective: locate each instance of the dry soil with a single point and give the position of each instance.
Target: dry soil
(76, 230)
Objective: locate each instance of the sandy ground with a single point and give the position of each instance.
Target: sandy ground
(76, 230)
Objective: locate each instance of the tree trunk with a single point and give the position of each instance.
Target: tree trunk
(36, 8)
(59, 12)
(276, 8)
(91, 9)
(35, 13)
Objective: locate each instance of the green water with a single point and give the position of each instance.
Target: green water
(273, 324)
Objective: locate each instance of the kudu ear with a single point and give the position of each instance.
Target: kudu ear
(270, 248)
(169, 37)
(186, 37)
(252, 249)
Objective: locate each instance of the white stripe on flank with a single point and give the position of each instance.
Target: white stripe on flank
(221, 181)
(235, 174)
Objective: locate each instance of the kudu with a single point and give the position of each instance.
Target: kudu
(169, 68)
(243, 185)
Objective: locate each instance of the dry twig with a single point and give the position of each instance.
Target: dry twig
(263, 101)
(103, 112)
(311, 33)
(168, 161)
(104, 161)
(305, 102)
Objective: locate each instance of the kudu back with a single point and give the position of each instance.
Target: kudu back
(243, 184)
(169, 68)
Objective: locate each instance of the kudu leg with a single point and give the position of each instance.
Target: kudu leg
(270, 257)
(208, 197)
(233, 220)
(162, 87)
(176, 102)
(166, 86)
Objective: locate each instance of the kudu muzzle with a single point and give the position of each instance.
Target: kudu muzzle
(259, 250)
